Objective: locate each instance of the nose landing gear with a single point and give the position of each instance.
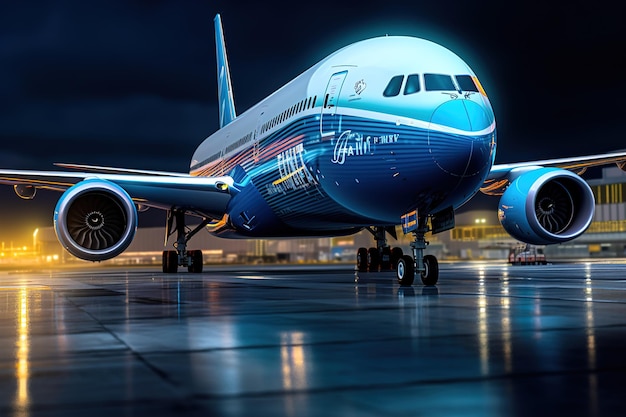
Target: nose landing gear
(407, 267)
(426, 265)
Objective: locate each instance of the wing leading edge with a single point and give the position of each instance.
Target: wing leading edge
(208, 196)
(502, 175)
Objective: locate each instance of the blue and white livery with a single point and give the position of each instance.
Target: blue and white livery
(386, 131)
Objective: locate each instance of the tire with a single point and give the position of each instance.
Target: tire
(195, 256)
(431, 274)
(405, 271)
(373, 259)
(361, 260)
(396, 254)
(170, 261)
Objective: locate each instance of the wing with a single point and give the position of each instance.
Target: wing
(207, 196)
(502, 175)
(112, 170)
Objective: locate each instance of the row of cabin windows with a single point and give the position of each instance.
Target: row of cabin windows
(293, 110)
(432, 82)
(296, 108)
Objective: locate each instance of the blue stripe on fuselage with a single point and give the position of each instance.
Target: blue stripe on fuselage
(368, 172)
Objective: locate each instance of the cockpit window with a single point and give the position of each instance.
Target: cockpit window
(438, 82)
(393, 88)
(466, 83)
(412, 84)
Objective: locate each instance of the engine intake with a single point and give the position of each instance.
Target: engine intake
(95, 220)
(546, 206)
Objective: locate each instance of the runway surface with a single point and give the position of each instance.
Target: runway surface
(489, 340)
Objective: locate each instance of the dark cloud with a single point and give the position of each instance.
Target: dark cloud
(110, 53)
(133, 130)
(122, 78)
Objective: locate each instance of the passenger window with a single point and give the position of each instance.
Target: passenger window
(466, 83)
(393, 88)
(412, 84)
(438, 82)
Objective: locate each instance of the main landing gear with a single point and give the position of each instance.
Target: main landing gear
(406, 266)
(172, 259)
(382, 257)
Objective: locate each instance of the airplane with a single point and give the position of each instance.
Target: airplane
(388, 131)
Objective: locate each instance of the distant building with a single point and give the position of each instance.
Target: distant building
(148, 244)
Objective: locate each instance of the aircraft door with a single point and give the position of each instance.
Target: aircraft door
(329, 121)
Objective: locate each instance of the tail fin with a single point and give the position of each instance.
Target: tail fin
(224, 87)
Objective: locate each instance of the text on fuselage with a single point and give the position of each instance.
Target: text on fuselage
(355, 144)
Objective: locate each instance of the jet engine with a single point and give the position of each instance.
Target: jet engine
(95, 220)
(546, 206)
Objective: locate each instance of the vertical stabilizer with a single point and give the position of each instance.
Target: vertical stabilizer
(224, 87)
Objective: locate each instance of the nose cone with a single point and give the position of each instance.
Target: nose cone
(460, 137)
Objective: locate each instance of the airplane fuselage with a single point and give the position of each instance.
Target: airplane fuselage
(378, 129)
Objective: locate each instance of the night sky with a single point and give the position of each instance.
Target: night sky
(132, 83)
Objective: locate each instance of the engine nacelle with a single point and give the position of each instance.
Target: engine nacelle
(546, 206)
(95, 220)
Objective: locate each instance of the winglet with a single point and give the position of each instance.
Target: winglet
(224, 87)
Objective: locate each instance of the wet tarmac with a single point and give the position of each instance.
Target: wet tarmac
(489, 340)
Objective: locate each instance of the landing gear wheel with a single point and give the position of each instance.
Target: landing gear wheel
(361, 260)
(373, 259)
(170, 261)
(195, 259)
(405, 270)
(430, 276)
(385, 261)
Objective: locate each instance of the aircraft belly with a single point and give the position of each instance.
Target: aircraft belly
(298, 200)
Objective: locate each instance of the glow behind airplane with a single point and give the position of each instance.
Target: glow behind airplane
(387, 131)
